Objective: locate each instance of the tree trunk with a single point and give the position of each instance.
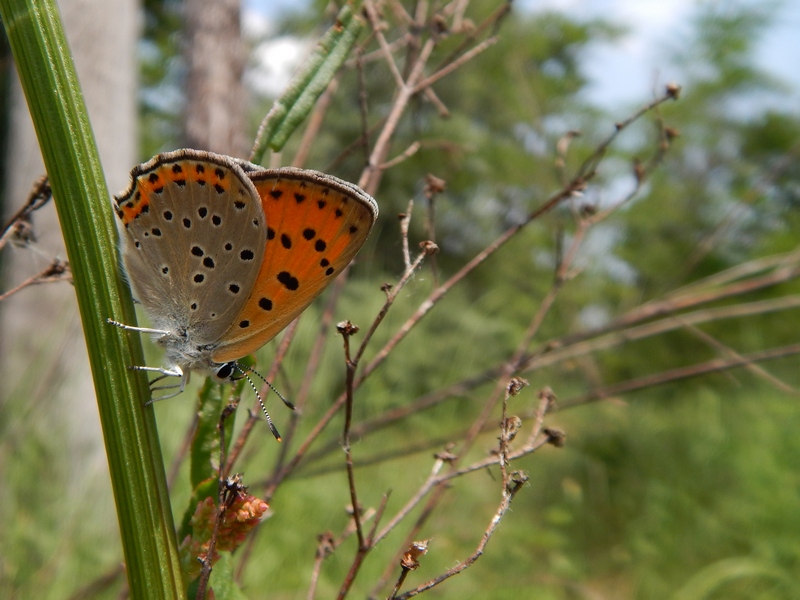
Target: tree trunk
(215, 94)
(43, 357)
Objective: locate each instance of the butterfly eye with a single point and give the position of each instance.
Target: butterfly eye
(225, 371)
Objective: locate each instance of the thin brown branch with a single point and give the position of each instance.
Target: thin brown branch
(312, 364)
(363, 108)
(461, 60)
(493, 21)
(58, 270)
(435, 481)
(711, 366)
(433, 187)
(440, 106)
(405, 155)
(427, 486)
(516, 485)
(414, 407)
(254, 414)
(513, 364)
(182, 452)
(347, 329)
(405, 222)
(370, 178)
(571, 347)
(97, 586)
(337, 405)
(391, 295)
(224, 500)
(590, 164)
(380, 53)
(325, 547)
(739, 210)
(39, 195)
(754, 368)
(385, 48)
(575, 186)
(563, 351)
(442, 290)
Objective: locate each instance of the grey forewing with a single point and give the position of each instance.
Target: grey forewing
(200, 250)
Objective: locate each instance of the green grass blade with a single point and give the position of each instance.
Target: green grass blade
(56, 105)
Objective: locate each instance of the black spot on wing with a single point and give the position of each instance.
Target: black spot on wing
(289, 282)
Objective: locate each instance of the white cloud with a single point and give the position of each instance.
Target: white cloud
(275, 61)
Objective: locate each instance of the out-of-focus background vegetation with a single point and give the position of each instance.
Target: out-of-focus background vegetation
(685, 490)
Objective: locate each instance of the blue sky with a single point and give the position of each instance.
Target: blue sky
(623, 73)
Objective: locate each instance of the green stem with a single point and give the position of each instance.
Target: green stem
(59, 116)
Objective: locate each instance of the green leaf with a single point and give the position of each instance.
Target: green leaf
(221, 580)
(308, 84)
(205, 445)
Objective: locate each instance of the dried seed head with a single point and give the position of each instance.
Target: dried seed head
(410, 560)
(510, 427)
(515, 385)
(346, 328)
(555, 437)
(429, 247)
(433, 186)
(673, 90)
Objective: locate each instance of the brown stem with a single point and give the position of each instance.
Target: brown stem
(58, 270)
(505, 504)
(711, 366)
(223, 503)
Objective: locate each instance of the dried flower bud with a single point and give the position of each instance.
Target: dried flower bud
(510, 427)
(429, 247)
(346, 328)
(515, 385)
(410, 560)
(433, 186)
(22, 233)
(326, 544)
(555, 437)
(673, 90)
(638, 170)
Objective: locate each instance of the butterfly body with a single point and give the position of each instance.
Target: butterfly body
(224, 254)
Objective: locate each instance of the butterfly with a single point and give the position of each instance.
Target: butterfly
(224, 254)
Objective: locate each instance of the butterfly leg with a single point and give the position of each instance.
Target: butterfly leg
(174, 371)
(139, 329)
(165, 372)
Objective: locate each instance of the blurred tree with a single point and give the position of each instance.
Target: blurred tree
(215, 93)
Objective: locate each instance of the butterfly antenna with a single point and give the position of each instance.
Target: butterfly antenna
(272, 427)
(272, 387)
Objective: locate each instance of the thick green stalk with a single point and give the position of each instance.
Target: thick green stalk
(56, 105)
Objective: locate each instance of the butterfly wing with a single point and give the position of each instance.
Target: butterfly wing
(193, 237)
(316, 224)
